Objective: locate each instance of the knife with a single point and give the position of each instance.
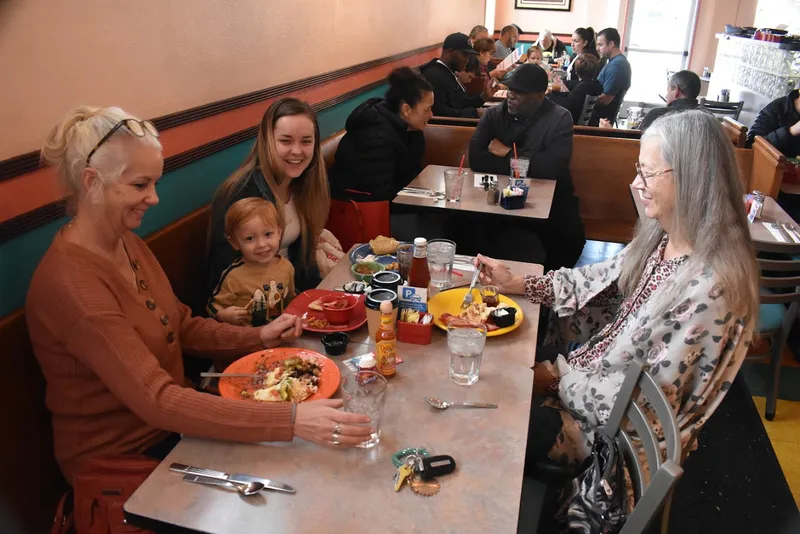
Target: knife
(236, 477)
(791, 231)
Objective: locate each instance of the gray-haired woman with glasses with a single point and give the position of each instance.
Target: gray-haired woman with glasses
(108, 331)
(683, 295)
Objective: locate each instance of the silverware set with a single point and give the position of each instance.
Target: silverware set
(423, 191)
(244, 485)
(787, 230)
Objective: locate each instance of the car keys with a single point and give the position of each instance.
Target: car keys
(434, 466)
(405, 472)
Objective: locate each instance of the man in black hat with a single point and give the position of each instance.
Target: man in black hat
(449, 95)
(542, 132)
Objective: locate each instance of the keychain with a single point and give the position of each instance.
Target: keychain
(419, 471)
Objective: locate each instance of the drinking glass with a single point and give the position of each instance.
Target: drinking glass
(453, 184)
(519, 167)
(466, 342)
(364, 392)
(405, 255)
(441, 255)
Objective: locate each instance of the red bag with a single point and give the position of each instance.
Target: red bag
(358, 222)
(100, 492)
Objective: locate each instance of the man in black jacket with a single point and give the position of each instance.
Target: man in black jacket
(779, 123)
(449, 96)
(682, 90)
(542, 132)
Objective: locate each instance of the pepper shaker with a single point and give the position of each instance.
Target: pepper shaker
(492, 194)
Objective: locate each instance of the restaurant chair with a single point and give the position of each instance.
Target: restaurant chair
(775, 320)
(588, 109)
(722, 109)
(653, 492)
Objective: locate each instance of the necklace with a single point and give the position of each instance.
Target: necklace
(106, 254)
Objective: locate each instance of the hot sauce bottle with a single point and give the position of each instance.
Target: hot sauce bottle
(386, 342)
(419, 275)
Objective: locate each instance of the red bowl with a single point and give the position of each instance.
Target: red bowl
(338, 315)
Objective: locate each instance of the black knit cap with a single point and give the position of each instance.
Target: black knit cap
(528, 78)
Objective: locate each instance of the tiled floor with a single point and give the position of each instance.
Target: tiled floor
(784, 433)
(784, 430)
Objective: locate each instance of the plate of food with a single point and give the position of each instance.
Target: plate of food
(446, 308)
(310, 307)
(286, 374)
(380, 250)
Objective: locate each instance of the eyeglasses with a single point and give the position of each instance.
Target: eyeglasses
(137, 128)
(648, 176)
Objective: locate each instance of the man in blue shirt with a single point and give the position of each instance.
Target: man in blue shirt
(615, 77)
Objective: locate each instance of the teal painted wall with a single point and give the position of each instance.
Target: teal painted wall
(181, 192)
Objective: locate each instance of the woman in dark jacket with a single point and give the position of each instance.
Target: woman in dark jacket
(384, 145)
(583, 42)
(586, 69)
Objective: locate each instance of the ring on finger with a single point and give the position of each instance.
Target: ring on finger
(336, 440)
(337, 430)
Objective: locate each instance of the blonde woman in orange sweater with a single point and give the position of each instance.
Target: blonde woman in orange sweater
(109, 332)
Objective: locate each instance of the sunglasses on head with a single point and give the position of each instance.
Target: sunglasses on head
(137, 128)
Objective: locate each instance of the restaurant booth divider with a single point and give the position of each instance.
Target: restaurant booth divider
(30, 480)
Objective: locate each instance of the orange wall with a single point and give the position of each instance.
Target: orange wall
(155, 57)
(596, 13)
(712, 17)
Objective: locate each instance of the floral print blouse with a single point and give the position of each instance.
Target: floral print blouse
(695, 347)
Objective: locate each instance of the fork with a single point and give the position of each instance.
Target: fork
(467, 302)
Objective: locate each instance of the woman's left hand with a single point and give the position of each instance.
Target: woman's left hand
(544, 375)
(285, 328)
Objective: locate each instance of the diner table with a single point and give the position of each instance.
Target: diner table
(473, 199)
(763, 239)
(351, 490)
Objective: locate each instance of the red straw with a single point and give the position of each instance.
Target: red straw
(516, 170)
(461, 165)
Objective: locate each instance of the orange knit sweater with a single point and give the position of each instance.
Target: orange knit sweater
(111, 354)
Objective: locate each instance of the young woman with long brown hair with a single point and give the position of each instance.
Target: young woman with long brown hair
(285, 167)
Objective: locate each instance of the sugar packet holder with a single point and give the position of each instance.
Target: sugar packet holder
(413, 303)
(513, 198)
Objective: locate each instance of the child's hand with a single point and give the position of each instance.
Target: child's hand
(285, 328)
(235, 315)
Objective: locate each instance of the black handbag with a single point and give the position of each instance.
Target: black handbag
(597, 501)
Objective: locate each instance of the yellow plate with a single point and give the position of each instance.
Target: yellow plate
(450, 302)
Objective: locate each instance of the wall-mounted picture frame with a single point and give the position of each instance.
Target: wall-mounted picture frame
(544, 5)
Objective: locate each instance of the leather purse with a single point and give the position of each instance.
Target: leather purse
(95, 505)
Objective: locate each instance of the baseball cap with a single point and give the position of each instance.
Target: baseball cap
(459, 41)
(528, 78)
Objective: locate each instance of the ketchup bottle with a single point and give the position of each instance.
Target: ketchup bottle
(419, 275)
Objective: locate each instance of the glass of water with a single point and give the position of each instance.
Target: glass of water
(519, 167)
(364, 392)
(440, 262)
(453, 184)
(466, 342)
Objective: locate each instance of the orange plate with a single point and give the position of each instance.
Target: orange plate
(299, 307)
(231, 388)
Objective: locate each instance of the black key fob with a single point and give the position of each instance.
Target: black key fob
(436, 466)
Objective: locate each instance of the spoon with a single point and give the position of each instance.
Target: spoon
(245, 489)
(440, 404)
